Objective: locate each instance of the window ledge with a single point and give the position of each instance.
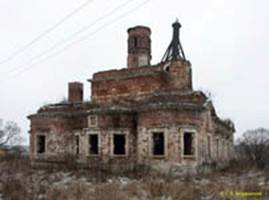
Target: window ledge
(158, 157)
(189, 156)
(92, 126)
(93, 155)
(40, 154)
(119, 156)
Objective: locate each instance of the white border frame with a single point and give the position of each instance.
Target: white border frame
(89, 121)
(158, 130)
(189, 130)
(209, 154)
(223, 143)
(36, 144)
(217, 147)
(77, 134)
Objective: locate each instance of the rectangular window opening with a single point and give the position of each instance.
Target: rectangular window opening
(188, 144)
(41, 144)
(208, 146)
(77, 144)
(223, 148)
(93, 144)
(158, 144)
(119, 141)
(217, 147)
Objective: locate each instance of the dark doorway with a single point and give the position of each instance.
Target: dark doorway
(119, 141)
(158, 144)
(135, 42)
(188, 144)
(77, 144)
(209, 146)
(217, 144)
(41, 144)
(93, 142)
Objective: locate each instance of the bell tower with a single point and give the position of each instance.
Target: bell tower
(175, 62)
(139, 46)
(174, 51)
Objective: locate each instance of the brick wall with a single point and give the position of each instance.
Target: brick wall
(133, 83)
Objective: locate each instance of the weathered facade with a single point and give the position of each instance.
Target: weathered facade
(140, 114)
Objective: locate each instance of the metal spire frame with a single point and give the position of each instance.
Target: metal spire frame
(174, 51)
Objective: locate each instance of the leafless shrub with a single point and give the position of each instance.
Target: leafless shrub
(15, 163)
(9, 133)
(253, 148)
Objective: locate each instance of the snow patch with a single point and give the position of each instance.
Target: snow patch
(124, 180)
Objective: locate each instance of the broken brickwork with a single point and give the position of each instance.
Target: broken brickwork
(140, 114)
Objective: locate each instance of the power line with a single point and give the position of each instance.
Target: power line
(105, 25)
(83, 38)
(85, 28)
(46, 32)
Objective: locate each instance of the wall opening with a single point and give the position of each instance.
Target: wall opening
(209, 146)
(119, 141)
(135, 42)
(41, 144)
(188, 144)
(167, 68)
(228, 150)
(93, 144)
(77, 144)
(223, 148)
(158, 143)
(217, 146)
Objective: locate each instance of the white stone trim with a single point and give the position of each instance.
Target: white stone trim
(150, 139)
(226, 149)
(166, 66)
(195, 137)
(90, 124)
(209, 153)
(217, 147)
(220, 148)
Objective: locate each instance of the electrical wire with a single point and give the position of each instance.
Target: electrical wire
(85, 28)
(83, 38)
(46, 32)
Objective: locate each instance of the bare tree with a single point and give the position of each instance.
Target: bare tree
(9, 133)
(254, 147)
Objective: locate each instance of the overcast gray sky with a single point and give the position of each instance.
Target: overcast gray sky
(225, 40)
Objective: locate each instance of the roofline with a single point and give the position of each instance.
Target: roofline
(138, 27)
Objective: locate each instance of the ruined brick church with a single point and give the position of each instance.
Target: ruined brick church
(139, 114)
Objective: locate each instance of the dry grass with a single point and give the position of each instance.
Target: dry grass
(19, 182)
